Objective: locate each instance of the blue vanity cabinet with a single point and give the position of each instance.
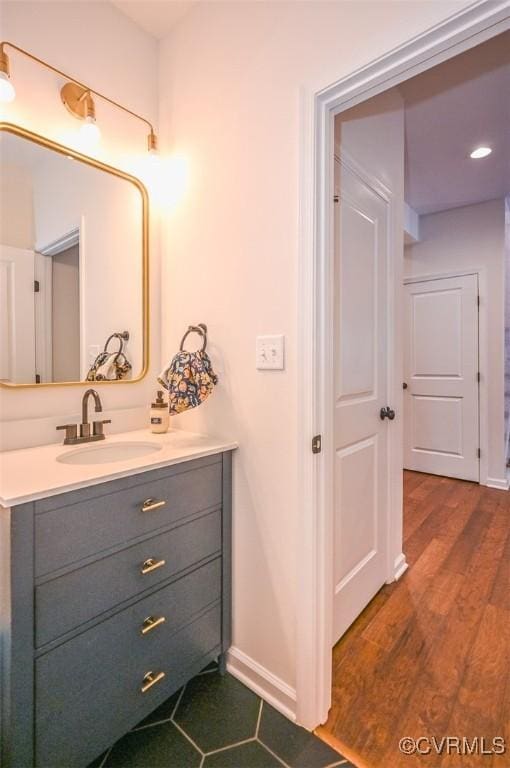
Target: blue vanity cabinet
(113, 600)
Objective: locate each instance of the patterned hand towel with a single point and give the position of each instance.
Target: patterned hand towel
(189, 380)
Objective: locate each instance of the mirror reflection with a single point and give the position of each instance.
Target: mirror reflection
(71, 268)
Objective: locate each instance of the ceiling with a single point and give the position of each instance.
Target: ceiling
(450, 110)
(157, 17)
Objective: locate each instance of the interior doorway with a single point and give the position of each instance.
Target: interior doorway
(442, 376)
(463, 32)
(65, 294)
(452, 399)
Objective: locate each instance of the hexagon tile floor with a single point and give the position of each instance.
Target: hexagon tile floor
(216, 722)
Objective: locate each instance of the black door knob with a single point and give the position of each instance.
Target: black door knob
(387, 413)
(404, 385)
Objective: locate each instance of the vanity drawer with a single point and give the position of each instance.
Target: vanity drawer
(77, 525)
(106, 666)
(76, 597)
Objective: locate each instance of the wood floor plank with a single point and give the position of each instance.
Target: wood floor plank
(431, 654)
(361, 622)
(443, 591)
(393, 618)
(469, 540)
(438, 685)
(417, 511)
(392, 685)
(500, 595)
(479, 703)
(429, 485)
(505, 722)
(412, 480)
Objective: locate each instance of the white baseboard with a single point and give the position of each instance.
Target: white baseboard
(400, 566)
(495, 482)
(269, 687)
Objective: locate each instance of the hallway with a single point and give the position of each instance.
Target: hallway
(430, 655)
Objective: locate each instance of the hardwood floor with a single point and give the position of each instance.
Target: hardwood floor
(430, 655)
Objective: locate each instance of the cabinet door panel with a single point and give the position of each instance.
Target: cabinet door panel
(76, 597)
(77, 525)
(88, 690)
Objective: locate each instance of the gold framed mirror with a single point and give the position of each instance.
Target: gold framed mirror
(74, 267)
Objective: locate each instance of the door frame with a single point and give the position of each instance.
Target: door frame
(483, 361)
(75, 236)
(467, 28)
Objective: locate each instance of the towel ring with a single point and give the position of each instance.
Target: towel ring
(122, 337)
(201, 329)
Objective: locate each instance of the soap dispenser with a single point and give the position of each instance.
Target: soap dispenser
(160, 417)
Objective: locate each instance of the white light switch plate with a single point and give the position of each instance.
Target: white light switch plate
(270, 353)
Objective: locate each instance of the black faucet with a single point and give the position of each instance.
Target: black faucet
(85, 435)
(85, 408)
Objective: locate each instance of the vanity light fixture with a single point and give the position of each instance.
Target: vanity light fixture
(152, 146)
(7, 91)
(77, 97)
(480, 152)
(80, 103)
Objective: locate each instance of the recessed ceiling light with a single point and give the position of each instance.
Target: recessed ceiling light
(479, 152)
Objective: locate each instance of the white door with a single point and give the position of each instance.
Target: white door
(441, 430)
(17, 337)
(361, 390)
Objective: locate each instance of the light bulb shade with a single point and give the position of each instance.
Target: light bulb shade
(89, 131)
(7, 91)
(480, 152)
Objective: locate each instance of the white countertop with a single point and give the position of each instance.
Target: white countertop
(34, 473)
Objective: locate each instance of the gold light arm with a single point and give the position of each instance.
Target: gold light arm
(152, 138)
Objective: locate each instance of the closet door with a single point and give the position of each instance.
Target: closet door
(441, 422)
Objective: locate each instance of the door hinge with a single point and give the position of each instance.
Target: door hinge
(37, 287)
(37, 378)
(479, 453)
(317, 444)
(478, 376)
(478, 301)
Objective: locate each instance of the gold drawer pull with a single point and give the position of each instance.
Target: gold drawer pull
(151, 679)
(151, 565)
(150, 504)
(151, 623)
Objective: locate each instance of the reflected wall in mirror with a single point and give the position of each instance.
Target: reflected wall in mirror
(73, 266)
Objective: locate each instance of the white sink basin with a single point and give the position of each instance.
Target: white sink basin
(106, 454)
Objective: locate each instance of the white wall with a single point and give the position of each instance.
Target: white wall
(233, 81)
(461, 239)
(94, 42)
(16, 207)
